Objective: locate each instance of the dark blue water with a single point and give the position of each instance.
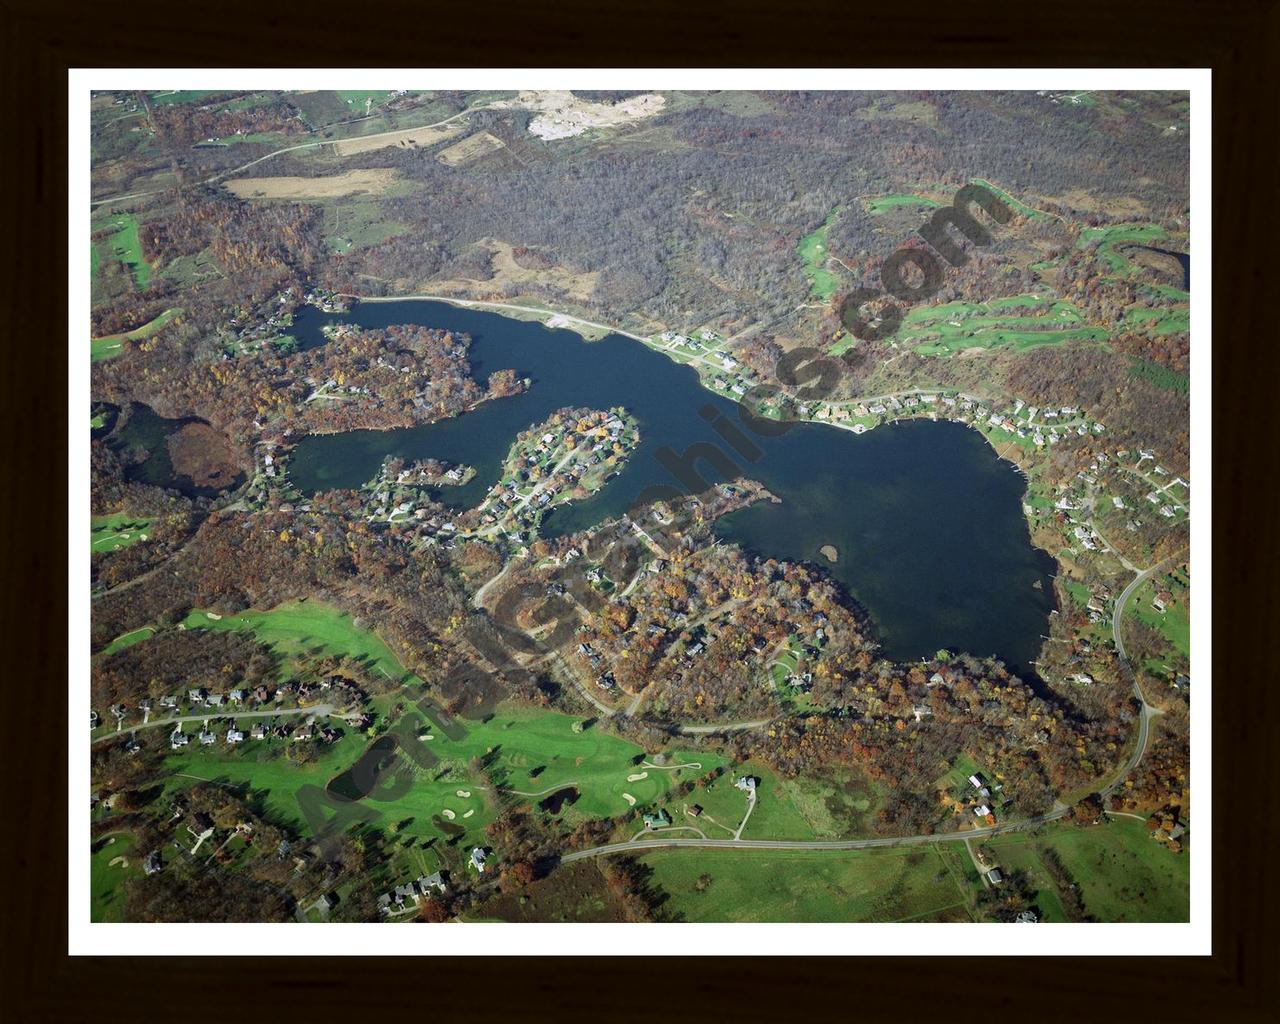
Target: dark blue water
(926, 520)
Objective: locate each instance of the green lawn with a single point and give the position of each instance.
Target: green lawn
(127, 247)
(1174, 623)
(105, 348)
(514, 740)
(310, 626)
(882, 204)
(129, 639)
(119, 530)
(1123, 874)
(106, 880)
(813, 252)
(802, 885)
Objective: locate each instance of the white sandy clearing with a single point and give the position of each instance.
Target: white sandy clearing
(637, 778)
(448, 814)
(629, 799)
(464, 792)
(562, 115)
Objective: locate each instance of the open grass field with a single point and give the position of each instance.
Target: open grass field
(470, 149)
(803, 885)
(363, 100)
(1123, 874)
(106, 348)
(409, 138)
(813, 252)
(310, 627)
(371, 181)
(119, 530)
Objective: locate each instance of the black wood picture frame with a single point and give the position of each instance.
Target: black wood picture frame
(1236, 38)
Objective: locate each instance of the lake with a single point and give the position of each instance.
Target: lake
(926, 520)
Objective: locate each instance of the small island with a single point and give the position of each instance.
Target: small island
(829, 552)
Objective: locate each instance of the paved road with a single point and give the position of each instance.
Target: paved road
(817, 844)
(1147, 712)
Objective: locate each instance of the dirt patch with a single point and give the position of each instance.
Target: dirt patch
(1125, 207)
(408, 138)
(505, 269)
(562, 115)
(470, 149)
(372, 180)
(203, 455)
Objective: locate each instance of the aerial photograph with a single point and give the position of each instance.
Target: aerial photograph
(629, 506)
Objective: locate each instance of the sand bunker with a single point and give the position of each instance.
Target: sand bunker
(637, 778)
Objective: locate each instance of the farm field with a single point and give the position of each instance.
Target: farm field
(372, 181)
(802, 885)
(119, 530)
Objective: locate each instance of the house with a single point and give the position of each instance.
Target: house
(197, 695)
(238, 696)
(434, 882)
(695, 811)
(939, 678)
(201, 826)
(1026, 917)
(994, 876)
(214, 700)
(975, 780)
(235, 736)
(478, 857)
(207, 735)
(179, 738)
(258, 732)
(170, 701)
(982, 810)
(658, 819)
(153, 863)
(747, 784)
